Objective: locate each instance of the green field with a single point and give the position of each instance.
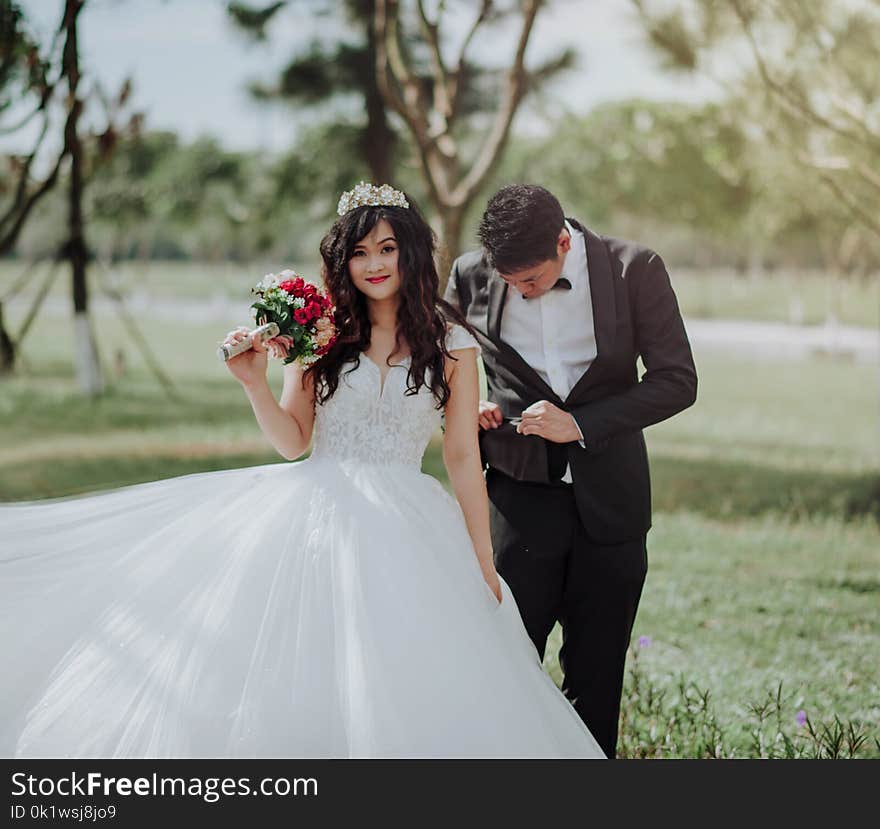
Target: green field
(764, 556)
(799, 298)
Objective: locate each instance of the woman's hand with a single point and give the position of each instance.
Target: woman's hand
(490, 416)
(249, 367)
(494, 583)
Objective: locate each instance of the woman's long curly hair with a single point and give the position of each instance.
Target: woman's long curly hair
(422, 316)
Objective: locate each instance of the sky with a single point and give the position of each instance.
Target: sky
(190, 67)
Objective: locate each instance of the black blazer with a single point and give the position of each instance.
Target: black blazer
(635, 314)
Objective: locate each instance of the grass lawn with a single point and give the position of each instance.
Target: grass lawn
(764, 559)
(801, 298)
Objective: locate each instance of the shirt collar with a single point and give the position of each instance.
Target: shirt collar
(572, 269)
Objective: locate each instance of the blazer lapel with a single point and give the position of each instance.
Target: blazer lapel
(603, 302)
(497, 289)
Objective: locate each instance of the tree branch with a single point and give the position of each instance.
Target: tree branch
(23, 122)
(392, 74)
(838, 163)
(455, 86)
(516, 81)
(12, 221)
(845, 108)
(415, 111)
(794, 104)
(442, 103)
(854, 207)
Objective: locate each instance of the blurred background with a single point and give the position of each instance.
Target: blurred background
(157, 158)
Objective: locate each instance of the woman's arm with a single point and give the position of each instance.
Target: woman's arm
(461, 454)
(287, 425)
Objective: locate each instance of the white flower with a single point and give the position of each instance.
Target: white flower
(299, 302)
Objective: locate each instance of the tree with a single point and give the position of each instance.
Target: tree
(26, 74)
(680, 170)
(434, 96)
(331, 71)
(88, 367)
(813, 87)
(25, 78)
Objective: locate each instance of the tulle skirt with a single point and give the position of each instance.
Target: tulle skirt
(315, 609)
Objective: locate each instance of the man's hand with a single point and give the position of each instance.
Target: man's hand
(490, 415)
(549, 422)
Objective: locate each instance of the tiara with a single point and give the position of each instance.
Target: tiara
(370, 194)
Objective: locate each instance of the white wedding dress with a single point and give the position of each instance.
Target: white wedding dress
(328, 608)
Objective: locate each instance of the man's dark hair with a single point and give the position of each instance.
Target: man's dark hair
(520, 227)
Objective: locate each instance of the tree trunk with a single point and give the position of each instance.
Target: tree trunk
(451, 219)
(378, 137)
(7, 348)
(88, 367)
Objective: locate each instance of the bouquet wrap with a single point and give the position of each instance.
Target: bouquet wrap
(266, 332)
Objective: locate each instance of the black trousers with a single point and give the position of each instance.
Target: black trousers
(556, 573)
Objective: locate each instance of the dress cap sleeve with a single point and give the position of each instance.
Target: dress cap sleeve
(459, 337)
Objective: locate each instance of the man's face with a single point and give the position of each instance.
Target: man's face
(538, 279)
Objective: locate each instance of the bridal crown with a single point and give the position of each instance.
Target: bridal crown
(372, 195)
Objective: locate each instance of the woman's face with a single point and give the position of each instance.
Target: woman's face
(373, 264)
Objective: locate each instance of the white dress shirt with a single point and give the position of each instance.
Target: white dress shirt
(554, 332)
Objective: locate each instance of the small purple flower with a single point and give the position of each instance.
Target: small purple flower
(801, 718)
(644, 641)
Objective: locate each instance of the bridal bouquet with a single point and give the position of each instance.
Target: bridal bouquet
(303, 314)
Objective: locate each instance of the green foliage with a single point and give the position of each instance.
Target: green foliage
(22, 70)
(650, 161)
(688, 181)
(810, 88)
(694, 182)
(158, 197)
(252, 20)
(331, 70)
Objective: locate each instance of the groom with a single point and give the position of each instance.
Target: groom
(562, 315)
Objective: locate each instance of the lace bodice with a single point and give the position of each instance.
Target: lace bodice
(371, 422)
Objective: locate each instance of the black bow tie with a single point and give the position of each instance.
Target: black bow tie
(562, 282)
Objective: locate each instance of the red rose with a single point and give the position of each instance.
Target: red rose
(301, 315)
(287, 285)
(314, 309)
(298, 283)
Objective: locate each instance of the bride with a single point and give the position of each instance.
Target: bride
(343, 606)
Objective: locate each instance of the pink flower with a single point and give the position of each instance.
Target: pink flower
(325, 348)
